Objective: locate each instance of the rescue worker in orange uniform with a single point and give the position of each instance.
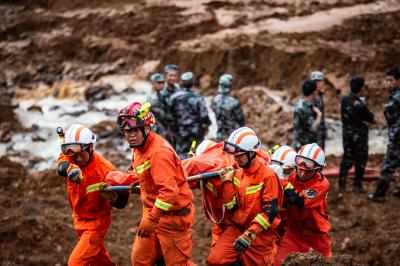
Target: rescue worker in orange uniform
(252, 194)
(165, 229)
(283, 164)
(210, 156)
(307, 225)
(83, 168)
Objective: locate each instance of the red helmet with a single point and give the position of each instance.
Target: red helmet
(136, 115)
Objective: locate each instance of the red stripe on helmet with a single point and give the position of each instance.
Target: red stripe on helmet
(78, 133)
(284, 155)
(316, 153)
(243, 135)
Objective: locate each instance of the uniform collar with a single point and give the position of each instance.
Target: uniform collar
(315, 179)
(394, 90)
(307, 102)
(255, 164)
(149, 140)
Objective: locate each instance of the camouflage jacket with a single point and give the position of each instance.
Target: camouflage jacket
(228, 113)
(355, 115)
(303, 120)
(164, 97)
(392, 115)
(159, 110)
(190, 112)
(320, 104)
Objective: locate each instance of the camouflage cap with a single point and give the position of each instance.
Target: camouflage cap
(157, 77)
(187, 76)
(170, 67)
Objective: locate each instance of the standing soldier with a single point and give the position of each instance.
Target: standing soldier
(157, 106)
(307, 117)
(227, 109)
(355, 118)
(392, 158)
(319, 79)
(252, 195)
(307, 224)
(191, 116)
(170, 87)
(166, 226)
(83, 168)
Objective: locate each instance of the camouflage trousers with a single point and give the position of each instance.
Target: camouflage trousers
(390, 164)
(391, 161)
(355, 152)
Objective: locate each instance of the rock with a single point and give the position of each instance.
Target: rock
(5, 132)
(98, 92)
(105, 129)
(35, 108)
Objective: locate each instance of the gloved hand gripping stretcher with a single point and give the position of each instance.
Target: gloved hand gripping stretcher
(136, 188)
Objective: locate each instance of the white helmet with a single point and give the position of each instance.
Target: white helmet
(312, 152)
(285, 155)
(244, 139)
(317, 75)
(203, 146)
(79, 134)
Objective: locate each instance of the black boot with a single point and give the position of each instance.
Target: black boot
(358, 187)
(342, 187)
(396, 192)
(380, 192)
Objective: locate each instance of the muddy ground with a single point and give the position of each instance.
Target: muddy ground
(266, 44)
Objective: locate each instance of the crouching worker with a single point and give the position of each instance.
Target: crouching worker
(307, 224)
(83, 169)
(284, 165)
(165, 229)
(252, 195)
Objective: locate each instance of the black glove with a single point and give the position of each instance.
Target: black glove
(292, 197)
(74, 174)
(243, 242)
(62, 168)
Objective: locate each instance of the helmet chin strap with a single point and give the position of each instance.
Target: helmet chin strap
(250, 156)
(144, 139)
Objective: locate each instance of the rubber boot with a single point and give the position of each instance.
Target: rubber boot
(342, 187)
(396, 191)
(380, 192)
(358, 187)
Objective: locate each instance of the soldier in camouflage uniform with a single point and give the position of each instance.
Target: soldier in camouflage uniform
(307, 117)
(170, 87)
(227, 109)
(392, 157)
(157, 106)
(191, 116)
(319, 79)
(355, 118)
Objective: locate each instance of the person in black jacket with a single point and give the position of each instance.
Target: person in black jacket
(355, 119)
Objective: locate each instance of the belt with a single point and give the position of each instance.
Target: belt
(181, 212)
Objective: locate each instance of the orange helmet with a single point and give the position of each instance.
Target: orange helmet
(136, 115)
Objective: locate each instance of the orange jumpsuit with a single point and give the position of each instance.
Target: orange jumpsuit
(91, 213)
(283, 210)
(307, 227)
(247, 196)
(213, 159)
(163, 186)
